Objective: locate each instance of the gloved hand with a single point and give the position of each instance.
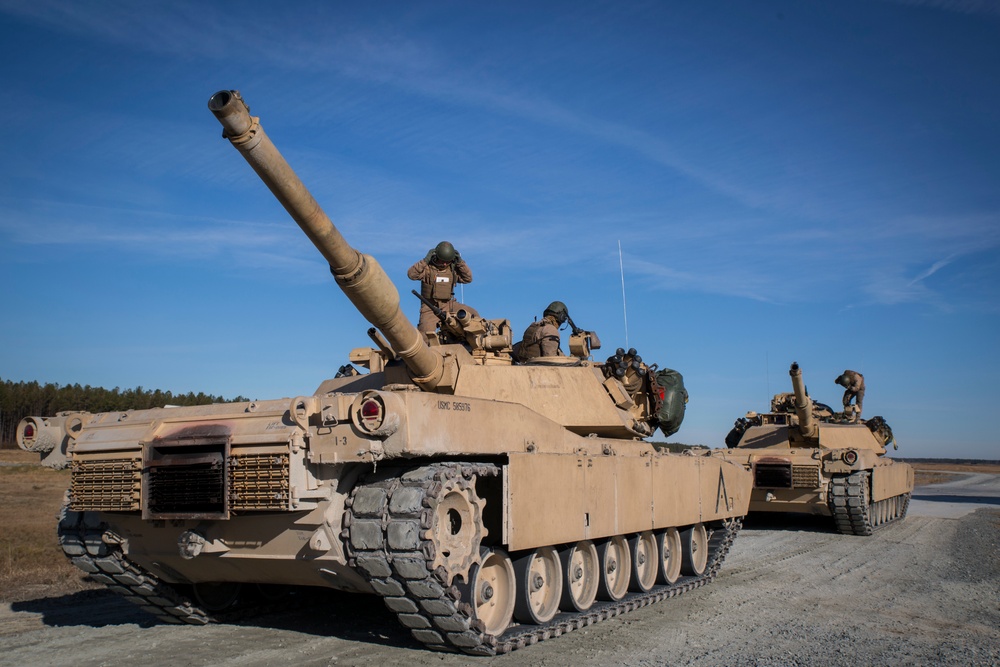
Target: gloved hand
(458, 257)
(430, 256)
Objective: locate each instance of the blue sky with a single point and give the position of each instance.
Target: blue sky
(811, 181)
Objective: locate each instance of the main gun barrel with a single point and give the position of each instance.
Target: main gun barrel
(803, 404)
(360, 277)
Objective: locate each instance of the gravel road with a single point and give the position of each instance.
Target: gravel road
(792, 592)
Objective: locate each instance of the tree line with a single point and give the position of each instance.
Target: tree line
(22, 399)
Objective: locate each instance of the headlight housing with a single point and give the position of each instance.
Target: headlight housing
(376, 413)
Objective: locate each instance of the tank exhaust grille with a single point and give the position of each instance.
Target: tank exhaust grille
(187, 483)
(105, 485)
(773, 475)
(805, 477)
(259, 482)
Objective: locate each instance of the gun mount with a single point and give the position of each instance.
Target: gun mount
(465, 326)
(581, 342)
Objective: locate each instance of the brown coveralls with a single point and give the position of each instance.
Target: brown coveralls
(438, 285)
(541, 339)
(855, 389)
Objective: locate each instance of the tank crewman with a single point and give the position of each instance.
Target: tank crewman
(541, 338)
(438, 272)
(854, 383)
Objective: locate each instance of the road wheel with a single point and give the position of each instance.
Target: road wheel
(669, 545)
(581, 576)
(694, 550)
(613, 555)
(493, 592)
(645, 560)
(539, 586)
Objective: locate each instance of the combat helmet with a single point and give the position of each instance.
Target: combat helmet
(445, 252)
(558, 310)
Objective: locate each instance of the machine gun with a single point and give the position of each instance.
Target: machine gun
(448, 323)
(581, 342)
(466, 326)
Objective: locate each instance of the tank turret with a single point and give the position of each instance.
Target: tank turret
(608, 407)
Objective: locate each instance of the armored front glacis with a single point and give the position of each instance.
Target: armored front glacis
(490, 503)
(806, 458)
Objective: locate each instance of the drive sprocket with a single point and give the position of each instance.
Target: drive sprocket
(456, 530)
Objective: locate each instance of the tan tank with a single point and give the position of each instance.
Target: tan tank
(807, 458)
(491, 504)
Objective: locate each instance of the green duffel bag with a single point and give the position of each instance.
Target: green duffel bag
(673, 399)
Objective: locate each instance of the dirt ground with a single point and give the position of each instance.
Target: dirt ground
(936, 473)
(792, 592)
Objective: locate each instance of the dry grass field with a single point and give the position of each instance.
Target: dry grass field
(32, 565)
(31, 562)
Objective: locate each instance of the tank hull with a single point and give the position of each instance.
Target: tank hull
(282, 493)
(623, 495)
(590, 488)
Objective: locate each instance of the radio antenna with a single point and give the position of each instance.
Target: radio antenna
(621, 268)
(767, 372)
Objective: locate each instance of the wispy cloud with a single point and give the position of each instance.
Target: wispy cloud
(710, 279)
(894, 263)
(249, 244)
(934, 268)
(187, 31)
(154, 232)
(895, 259)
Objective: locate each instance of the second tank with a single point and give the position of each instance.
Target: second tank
(806, 458)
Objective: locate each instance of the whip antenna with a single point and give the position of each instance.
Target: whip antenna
(621, 268)
(767, 373)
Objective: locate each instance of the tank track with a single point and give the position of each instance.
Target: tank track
(853, 511)
(387, 535)
(83, 542)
